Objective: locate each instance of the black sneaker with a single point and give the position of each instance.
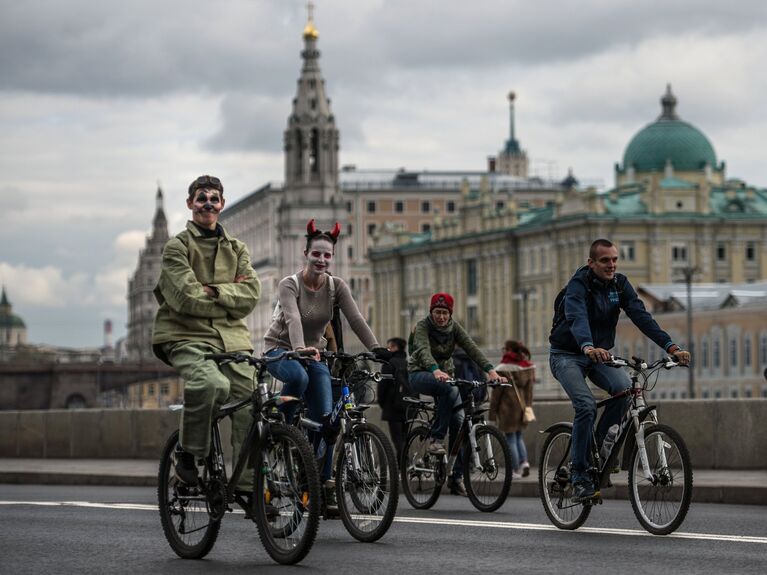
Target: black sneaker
(456, 487)
(329, 495)
(186, 467)
(583, 491)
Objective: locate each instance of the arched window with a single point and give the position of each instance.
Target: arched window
(733, 352)
(704, 352)
(716, 354)
(747, 351)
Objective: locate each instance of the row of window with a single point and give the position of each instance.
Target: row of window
(681, 254)
(399, 207)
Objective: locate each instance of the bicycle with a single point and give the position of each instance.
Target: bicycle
(285, 503)
(658, 462)
(365, 469)
(486, 456)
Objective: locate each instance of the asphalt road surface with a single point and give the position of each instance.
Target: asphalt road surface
(73, 529)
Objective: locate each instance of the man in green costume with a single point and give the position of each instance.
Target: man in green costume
(206, 289)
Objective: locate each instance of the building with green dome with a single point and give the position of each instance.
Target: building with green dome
(13, 330)
(672, 210)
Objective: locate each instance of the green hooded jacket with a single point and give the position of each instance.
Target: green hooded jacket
(189, 261)
(436, 352)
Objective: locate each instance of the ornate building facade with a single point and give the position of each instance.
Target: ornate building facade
(672, 209)
(142, 305)
(13, 330)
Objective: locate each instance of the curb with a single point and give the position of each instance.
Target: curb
(728, 494)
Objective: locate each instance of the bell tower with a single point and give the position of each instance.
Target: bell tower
(311, 143)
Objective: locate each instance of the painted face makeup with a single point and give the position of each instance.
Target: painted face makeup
(319, 256)
(206, 203)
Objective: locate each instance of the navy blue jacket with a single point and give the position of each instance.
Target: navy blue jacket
(592, 308)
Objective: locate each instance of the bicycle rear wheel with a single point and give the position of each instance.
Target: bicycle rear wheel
(661, 502)
(487, 485)
(366, 483)
(554, 481)
(422, 474)
(188, 527)
(286, 497)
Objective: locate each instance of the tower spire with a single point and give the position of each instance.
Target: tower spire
(310, 31)
(160, 222)
(668, 103)
(512, 145)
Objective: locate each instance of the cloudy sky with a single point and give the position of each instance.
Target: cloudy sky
(101, 100)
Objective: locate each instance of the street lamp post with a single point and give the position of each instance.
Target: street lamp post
(688, 273)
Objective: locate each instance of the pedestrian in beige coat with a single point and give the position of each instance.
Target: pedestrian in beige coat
(507, 405)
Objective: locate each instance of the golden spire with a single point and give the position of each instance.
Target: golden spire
(309, 30)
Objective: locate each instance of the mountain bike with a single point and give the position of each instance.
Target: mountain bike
(486, 456)
(365, 468)
(285, 503)
(658, 462)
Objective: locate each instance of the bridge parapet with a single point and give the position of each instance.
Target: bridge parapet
(721, 434)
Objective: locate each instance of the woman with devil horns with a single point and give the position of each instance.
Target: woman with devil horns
(306, 308)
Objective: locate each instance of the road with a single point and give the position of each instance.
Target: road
(78, 529)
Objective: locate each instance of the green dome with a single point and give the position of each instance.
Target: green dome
(669, 138)
(8, 321)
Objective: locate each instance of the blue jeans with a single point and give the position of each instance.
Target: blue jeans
(447, 398)
(571, 371)
(517, 448)
(311, 382)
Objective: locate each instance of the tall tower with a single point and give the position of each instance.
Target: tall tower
(512, 159)
(142, 305)
(311, 163)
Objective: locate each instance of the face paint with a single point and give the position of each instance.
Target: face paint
(319, 256)
(206, 205)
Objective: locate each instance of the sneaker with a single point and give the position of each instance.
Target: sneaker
(525, 469)
(583, 491)
(437, 447)
(517, 475)
(186, 467)
(456, 487)
(329, 495)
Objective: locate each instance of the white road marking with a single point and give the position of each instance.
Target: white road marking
(438, 521)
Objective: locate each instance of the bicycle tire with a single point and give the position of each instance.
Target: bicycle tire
(177, 513)
(286, 496)
(487, 487)
(554, 484)
(422, 475)
(661, 504)
(367, 497)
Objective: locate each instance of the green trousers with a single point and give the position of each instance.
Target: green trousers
(206, 388)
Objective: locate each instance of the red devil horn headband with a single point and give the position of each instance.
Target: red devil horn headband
(311, 229)
(336, 231)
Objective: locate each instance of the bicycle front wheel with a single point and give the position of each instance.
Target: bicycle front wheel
(286, 495)
(422, 474)
(488, 484)
(554, 483)
(661, 494)
(188, 527)
(366, 483)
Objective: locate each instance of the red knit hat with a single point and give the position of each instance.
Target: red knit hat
(444, 300)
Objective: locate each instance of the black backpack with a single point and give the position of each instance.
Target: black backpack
(559, 301)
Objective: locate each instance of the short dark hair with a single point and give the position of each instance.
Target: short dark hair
(600, 243)
(206, 181)
(399, 342)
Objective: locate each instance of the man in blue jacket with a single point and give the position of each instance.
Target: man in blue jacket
(581, 337)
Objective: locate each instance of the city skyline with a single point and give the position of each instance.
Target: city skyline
(97, 107)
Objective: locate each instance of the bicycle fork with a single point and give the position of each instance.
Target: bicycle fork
(642, 446)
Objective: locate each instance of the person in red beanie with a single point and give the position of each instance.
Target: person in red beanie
(432, 344)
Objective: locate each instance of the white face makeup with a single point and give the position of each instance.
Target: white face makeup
(319, 256)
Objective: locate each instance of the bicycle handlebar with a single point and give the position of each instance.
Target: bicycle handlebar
(239, 357)
(369, 355)
(475, 384)
(667, 362)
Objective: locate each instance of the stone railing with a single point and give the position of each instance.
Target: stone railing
(721, 434)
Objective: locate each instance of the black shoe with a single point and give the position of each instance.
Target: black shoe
(329, 497)
(456, 487)
(186, 467)
(583, 491)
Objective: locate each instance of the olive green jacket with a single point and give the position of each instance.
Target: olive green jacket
(429, 355)
(186, 312)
